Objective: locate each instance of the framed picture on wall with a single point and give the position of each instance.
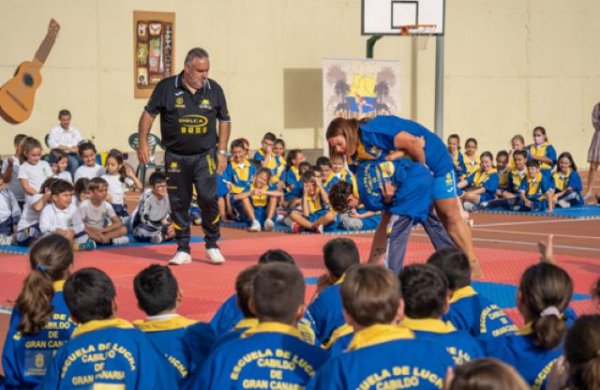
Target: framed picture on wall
(153, 50)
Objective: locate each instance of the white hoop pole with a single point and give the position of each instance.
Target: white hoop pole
(439, 85)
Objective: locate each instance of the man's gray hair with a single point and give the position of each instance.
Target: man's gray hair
(196, 52)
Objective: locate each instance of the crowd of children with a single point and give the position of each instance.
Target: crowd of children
(365, 328)
(525, 178)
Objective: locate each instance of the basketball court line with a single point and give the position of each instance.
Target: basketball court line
(525, 243)
(563, 220)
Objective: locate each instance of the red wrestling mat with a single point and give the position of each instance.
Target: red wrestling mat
(206, 286)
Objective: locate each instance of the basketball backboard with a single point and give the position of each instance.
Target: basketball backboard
(387, 17)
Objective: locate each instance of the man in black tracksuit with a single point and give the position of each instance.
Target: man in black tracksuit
(190, 105)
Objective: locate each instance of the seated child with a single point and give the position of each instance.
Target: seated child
(542, 151)
(425, 293)
(581, 354)
(536, 190)
(469, 311)
(509, 196)
(100, 220)
(89, 168)
(339, 168)
(151, 220)
(82, 190)
(543, 297)
(266, 157)
(62, 217)
(104, 351)
(59, 160)
(328, 177)
(471, 156)
(39, 323)
(503, 171)
(158, 295)
(353, 215)
(325, 313)
(517, 142)
(119, 177)
(292, 173)
(277, 299)
(458, 158)
(230, 315)
(485, 373)
(403, 189)
(257, 202)
(10, 170)
(28, 229)
(293, 195)
(10, 212)
(381, 354)
(33, 171)
(240, 172)
(481, 185)
(567, 183)
(315, 214)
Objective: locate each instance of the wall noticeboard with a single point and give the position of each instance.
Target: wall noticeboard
(153, 50)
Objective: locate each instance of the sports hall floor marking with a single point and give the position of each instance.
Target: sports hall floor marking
(525, 243)
(536, 234)
(562, 220)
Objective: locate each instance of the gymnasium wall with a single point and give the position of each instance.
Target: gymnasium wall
(509, 65)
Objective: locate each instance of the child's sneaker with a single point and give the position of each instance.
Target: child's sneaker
(4, 240)
(124, 240)
(564, 204)
(470, 206)
(296, 228)
(269, 225)
(255, 227)
(89, 245)
(156, 239)
(181, 258)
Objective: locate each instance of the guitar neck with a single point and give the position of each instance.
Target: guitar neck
(42, 52)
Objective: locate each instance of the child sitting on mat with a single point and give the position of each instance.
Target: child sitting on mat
(151, 220)
(567, 183)
(536, 190)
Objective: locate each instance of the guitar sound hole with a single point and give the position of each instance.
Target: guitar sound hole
(27, 79)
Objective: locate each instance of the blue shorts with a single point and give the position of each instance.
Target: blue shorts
(444, 186)
(318, 214)
(486, 197)
(260, 213)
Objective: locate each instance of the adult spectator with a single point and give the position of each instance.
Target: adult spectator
(190, 106)
(593, 153)
(66, 137)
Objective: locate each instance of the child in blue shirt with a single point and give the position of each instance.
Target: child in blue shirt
(257, 202)
(425, 293)
(229, 314)
(545, 291)
(272, 354)
(536, 190)
(381, 354)
(40, 322)
(567, 183)
(502, 170)
(239, 172)
(508, 197)
(325, 313)
(104, 350)
(158, 295)
(403, 188)
(315, 215)
(469, 311)
(542, 151)
(481, 185)
(458, 158)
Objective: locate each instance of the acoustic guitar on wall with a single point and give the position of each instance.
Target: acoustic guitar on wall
(17, 95)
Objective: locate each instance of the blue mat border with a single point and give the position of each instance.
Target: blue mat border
(21, 250)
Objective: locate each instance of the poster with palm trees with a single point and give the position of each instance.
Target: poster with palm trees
(359, 88)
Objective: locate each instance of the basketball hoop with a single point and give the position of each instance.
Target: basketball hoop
(421, 32)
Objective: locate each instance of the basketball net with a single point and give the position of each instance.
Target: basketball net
(420, 32)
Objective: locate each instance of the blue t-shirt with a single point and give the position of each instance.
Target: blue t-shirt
(325, 313)
(477, 315)
(386, 357)
(228, 315)
(535, 189)
(239, 176)
(487, 180)
(26, 358)
(167, 336)
(109, 352)
(270, 355)
(459, 344)
(531, 362)
(413, 182)
(377, 136)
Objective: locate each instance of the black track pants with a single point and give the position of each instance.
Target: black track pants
(184, 172)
